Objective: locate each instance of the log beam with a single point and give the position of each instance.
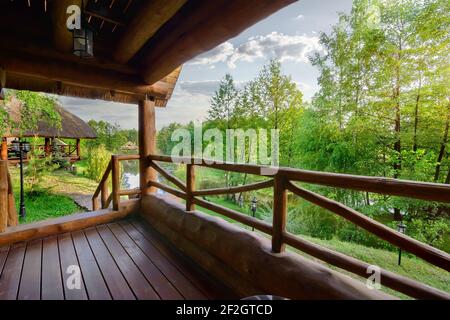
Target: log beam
(197, 27)
(148, 21)
(79, 72)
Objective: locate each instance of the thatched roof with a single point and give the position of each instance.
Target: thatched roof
(138, 46)
(72, 127)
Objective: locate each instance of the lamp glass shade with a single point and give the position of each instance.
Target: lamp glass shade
(26, 146)
(83, 42)
(15, 146)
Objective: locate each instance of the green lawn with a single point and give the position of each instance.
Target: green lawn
(56, 201)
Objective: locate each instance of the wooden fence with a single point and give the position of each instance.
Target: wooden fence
(284, 180)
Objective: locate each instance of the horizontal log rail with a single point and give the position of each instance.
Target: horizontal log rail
(238, 189)
(283, 182)
(113, 170)
(405, 188)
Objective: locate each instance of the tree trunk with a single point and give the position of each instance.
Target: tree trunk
(416, 115)
(443, 144)
(397, 144)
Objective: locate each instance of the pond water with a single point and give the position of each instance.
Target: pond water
(131, 181)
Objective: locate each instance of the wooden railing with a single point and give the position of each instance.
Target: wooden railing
(106, 197)
(283, 180)
(8, 212)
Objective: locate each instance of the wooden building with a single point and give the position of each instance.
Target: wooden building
(149, 247)
(72, 128)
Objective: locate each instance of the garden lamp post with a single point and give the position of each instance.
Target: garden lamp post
(401, 229)
(253, 208)
(20, 148)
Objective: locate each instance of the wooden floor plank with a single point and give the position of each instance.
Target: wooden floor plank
(52, 286)
(118, 287)
(4, 250)
(138, 283)
(10, 279)
(208, 286)
(30, 283)
(183, 284)
(95, 284)
(159, 282)
(69, 258)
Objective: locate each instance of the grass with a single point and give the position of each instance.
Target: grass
(56, 200)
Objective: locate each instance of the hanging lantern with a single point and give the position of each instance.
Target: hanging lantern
(83, 37)
(83, 40)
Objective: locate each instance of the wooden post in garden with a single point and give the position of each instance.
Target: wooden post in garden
(190, 186)
(13, 219)
(47, 147)
(279, 213)
(4, 150)
(78, 149)
(115, 182)
(147, 144)
(3, 195)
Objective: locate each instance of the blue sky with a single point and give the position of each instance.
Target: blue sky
(290, 35)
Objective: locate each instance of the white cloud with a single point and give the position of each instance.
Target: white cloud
(295, 48)
(218, 54)
(299, 17)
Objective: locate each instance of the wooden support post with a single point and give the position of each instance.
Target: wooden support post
(4, 150)
(115, 182)
(3, 195)
(147, 144)
(47, 147)
(190, 187)
(104, 194)
(13, 219)
(279, 213)
(78, 149)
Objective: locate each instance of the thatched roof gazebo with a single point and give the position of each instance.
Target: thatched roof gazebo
(72, 127)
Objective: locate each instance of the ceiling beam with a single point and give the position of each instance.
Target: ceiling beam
(143, 26)
(77, 72)
(199, 26)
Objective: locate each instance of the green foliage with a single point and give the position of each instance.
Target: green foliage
(97, 162)
(37, 167)
(111, 136)
(36, 107)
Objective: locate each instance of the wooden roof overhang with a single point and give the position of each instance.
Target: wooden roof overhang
(139, 45)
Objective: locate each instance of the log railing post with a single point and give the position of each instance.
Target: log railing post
(279, 213)
(104, 194)
(190, 187)
(115, 182)
(3, 195)
(147, 144)
(4, 149)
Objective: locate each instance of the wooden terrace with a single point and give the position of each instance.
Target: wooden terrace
(150, 247)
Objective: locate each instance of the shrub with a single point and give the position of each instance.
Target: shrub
(37, 167)
(97, 162)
